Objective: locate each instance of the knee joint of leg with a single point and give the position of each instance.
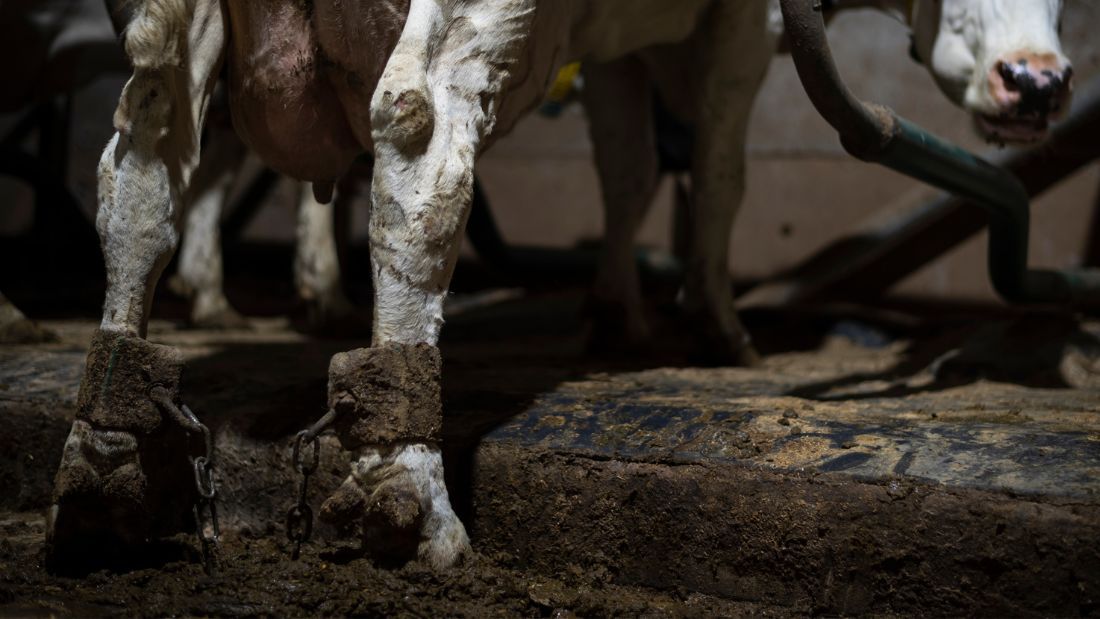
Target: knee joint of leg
(402, 115)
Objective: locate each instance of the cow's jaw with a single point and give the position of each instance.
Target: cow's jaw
(1005, 129)
(999, 59)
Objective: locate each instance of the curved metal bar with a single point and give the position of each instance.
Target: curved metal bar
(875, 133)
(865, 130)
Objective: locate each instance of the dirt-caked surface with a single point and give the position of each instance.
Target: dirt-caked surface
(863, 469)
(798, 540)
(256, 577)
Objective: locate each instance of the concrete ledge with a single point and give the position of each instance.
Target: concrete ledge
(853, 496)
(984, 436)
(820, 541)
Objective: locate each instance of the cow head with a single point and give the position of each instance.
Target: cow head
(1000, 59)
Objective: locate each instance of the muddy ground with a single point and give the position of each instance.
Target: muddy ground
(257, 577)
(571, 518)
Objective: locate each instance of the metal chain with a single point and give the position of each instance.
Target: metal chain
(299, 518)
(205, 510)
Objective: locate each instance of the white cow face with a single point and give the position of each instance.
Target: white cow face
(1000, 59)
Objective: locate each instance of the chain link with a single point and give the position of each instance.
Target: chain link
(205, 510)
(299, 518)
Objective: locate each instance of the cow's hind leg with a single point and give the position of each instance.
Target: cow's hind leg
(431, 111)
(734, 48)
(317, 266)
(122, 478)
(618, 99)
(201, 276)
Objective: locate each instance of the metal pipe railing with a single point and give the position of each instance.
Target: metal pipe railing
(876, 134)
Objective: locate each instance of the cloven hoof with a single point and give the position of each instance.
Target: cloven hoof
(124, 478)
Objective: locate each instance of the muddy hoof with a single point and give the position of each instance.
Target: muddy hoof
(210, 309)
(397, 499)
(720, 351)
(99, 506)
(615, 330)
(344, 509)
(714, 346)
(225, 319)
(1042, 351)
(124, 477)
(717, 336)
(112, 497)
(339, 321)
(20, 330)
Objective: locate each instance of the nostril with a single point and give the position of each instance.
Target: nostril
(1008, 76)
(1063, 86)
(1062, 83)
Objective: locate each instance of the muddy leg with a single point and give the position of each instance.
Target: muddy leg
(733, 55)
(111, 481)
(201, 275)
(618, 97)
(317, 266)
(430, 115)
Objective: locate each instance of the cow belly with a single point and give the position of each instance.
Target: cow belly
(608, 29)
(284, 106)
(589, 30)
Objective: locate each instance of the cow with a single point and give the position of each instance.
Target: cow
(1002, 61)
(1016, 96)
(200, 275)
(616, 300)
(68, 44)
(425, 85)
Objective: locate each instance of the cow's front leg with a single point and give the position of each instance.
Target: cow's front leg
(618, 100)
(432, 109)
(734, 48)
(124, 476)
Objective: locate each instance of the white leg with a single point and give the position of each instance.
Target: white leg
(201, 275)
(734, 49)
(430, 113)
(147, 166)
(618, 100)
(316, 264)
(114, 465)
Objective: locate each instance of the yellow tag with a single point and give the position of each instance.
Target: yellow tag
(563, 83)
